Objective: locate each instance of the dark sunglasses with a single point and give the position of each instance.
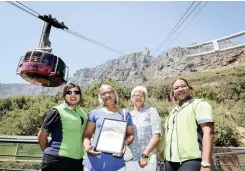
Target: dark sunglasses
(75, 92)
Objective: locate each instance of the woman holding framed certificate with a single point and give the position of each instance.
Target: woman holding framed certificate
(111, 132)
(147, 133)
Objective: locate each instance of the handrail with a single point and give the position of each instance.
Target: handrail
(214, 51)
(12, 155)
(229, 153)
(18, 169)
(20, 138)
(219, 39)
(215, 45)
(19, 141)
(34, 140)
(232, 148)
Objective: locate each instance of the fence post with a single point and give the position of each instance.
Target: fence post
(217, 164)
(16, 150)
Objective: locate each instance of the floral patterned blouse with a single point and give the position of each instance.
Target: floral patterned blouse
(146, 124)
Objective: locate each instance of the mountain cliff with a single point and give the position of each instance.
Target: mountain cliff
(140, 67)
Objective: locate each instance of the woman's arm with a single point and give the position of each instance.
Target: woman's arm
(149, 148)
(204, 117)
(156, 131)
(89, 131)
(160, 147)
(152, 144)
(129, 135)
(43, 139)
(48, 126)
(207, 141)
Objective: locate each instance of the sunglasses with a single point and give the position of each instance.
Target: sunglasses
(75, 92)
(108, 92)
(138, 96)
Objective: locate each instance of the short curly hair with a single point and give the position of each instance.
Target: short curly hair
(68, 87)
(141, 89)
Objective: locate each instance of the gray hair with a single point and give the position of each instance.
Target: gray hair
(141, 89)
(110, 87)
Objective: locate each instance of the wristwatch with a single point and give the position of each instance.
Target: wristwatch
(144, 156)
(205, 164)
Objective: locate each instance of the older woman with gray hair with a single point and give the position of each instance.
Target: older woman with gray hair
(99, 161)
(147, 133)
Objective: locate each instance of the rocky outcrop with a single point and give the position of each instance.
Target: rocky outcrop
(138, 68)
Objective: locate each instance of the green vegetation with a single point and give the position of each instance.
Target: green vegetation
(23, 115)
(20, 165)
(224, 90)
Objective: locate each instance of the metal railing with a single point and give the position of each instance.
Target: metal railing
(6, 169)
(229, 158)
(215, 45)
(22, 145)
(225, 158)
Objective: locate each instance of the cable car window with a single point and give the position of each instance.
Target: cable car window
(48, 59)
(21, 61)
(27, 56)
(54, 66)
(36, 56)
(61, 68)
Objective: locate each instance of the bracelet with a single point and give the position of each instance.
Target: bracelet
(205, 164)
(144, 156)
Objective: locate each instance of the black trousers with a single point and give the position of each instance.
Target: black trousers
(190, 165)
(51, 163)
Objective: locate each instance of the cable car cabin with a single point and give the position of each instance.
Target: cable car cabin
(42, 68)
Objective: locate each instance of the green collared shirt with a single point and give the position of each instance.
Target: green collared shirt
(66, 127)
(183, 138)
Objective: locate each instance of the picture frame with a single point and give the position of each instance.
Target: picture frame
(112, 136)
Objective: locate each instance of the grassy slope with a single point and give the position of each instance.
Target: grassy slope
(208, 76)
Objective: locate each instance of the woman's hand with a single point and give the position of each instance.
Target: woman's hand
(117, 154)
(143, 162)
(91, 151)
(90, 128)
(120, 154)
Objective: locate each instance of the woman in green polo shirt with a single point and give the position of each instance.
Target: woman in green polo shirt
(66, 124)
(188, 131)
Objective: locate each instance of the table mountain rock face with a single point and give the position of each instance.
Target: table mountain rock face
(138, 68)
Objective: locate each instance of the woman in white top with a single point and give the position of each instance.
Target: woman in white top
(147, 133)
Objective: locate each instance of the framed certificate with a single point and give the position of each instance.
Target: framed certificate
(112, 136)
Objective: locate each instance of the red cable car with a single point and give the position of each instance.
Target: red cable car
(40, 66)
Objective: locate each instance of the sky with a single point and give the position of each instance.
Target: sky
(126, 26)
